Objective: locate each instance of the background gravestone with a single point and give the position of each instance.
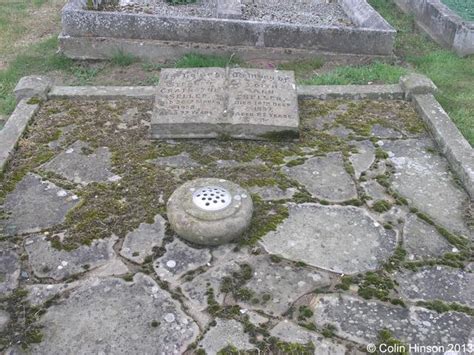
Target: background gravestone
(209, 102)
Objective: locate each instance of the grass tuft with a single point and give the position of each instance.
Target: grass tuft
(454, 76)
(195, 60)
(463, 8)
(377, 72)
(302, 67)
(123, 59)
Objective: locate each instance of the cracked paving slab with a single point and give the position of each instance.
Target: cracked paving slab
(227, 263)
(376, 192)
(339, 239)
(437, 283)
(364, 158)
(178, 259)
(35, 205)
(46, 261)
(292, 333)
(82, 165)
(361, 321)
(226, 332)
(422, 240)
(423, 177)
(325, 178)
(4, 320)
(384, 132)
(40, 293)
(9, 268)
(182, 160)
(273, 193)
(282, 282)
(139, 244)
(111, 316)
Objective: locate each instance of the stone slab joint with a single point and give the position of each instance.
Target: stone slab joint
(32, 86)
(417, 84)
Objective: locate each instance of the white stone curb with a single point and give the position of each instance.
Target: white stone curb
(102, 92)
(16, 124)
(351, 92)
(451, 142)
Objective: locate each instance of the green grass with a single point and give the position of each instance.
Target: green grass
(194, 60)
(464, 8)
(302, 67)
(454, 76)
(123, 59)
(40, 59)
(376, 72)
(12, 20)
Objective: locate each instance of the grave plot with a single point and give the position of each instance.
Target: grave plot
(251, 29)
(360, 234)
(449, 23)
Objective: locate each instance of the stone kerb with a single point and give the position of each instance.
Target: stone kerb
(451, 142)
(371, 34)
(442, 24)
(29, 92)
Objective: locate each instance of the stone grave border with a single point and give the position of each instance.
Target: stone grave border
(415, 88)
(90, 34)
(442, 24)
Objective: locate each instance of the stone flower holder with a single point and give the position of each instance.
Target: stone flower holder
(210, 211)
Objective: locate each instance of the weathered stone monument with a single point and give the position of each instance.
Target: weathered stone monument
(210, 102)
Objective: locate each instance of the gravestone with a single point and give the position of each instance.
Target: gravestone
(210, 102)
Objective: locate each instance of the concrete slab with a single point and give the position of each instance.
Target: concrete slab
(46, 261)
(359, 243)
(139, 244)
(9, 268)
(82, 165)
(438, 283)
(226, 332)
(422, 176)
(179, 259)
(361, 321)
(111, 315)
(422, 241)
(325, 178)
(35, 205)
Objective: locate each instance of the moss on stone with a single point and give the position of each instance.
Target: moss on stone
(281, 347)
(266, 218)
(23, 328)
(380, 153)
(328, 331)
(304, 312)
(442, 307)
(395, 261)
(34, 101)
(381, 206)
(345, 283)
(375, 285)
(296, 162)
(385, 337)
(281, 135)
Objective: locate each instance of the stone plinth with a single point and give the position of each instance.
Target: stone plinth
(211, 102)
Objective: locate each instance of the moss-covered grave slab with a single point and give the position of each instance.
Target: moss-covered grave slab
(360, 233)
